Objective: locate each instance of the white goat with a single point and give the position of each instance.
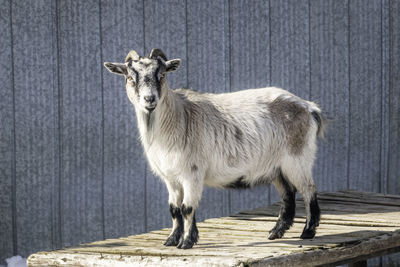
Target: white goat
(230, 140)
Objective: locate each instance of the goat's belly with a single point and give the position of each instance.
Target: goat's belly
(238, 180)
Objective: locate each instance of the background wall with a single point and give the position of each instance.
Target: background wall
(71, 165)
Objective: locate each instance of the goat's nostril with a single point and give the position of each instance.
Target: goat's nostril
(150, 98)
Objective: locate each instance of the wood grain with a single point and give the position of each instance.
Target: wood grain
(238, 241)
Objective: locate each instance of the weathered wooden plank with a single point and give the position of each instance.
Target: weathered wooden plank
(235, 246)
(364, 195)
(81, 126)
(70, 259)
(207, 49)
(330, 89)
(289, 49)
(6, 134)
(384, 202)
(320, 257)
(365, 81)
(244, 241)
(124, 163)
(35, 112)
(250, 68)
(165, 28)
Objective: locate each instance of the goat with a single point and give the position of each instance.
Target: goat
(229, 140)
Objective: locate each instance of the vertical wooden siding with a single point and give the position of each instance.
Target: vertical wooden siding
(71, 165)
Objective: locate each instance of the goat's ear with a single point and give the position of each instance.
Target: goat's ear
(117, 68)
(172, 65)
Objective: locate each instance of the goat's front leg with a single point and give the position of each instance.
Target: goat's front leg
(192, 189)
(175, 201)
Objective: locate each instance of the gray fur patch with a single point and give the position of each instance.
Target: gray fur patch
(295, 120)
(238, 134)
(194, 168)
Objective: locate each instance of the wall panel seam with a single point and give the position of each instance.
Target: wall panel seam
(390, 83)
(102, 122)
(385, 71)
(14, 144)
(55, 179)
(349, 95)
(60, 126)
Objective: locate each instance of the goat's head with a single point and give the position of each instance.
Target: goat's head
(145, 77)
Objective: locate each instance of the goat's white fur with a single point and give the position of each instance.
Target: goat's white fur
(194, 139)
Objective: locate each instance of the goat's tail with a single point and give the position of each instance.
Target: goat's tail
(320, 120)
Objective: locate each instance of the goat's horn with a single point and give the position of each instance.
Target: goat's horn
(156, 52)
(132, 55)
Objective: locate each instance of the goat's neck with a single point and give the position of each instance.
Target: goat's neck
(164, 123)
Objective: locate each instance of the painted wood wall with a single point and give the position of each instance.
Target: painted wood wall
(71, 165)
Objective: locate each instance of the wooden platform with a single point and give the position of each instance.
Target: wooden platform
(353, 225)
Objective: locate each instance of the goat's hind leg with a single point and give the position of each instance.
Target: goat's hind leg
(298, 171)
(313, 213)
(287, 193)
(175, 202)
(303, 182)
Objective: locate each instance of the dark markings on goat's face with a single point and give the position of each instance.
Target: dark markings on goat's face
(239, 183)
(295, 120)
(144, 82)
(186, 210)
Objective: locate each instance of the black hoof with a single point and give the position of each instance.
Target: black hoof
(180, 243)
(308, 234)
(274, 234)
(187, 244)
(171, 241)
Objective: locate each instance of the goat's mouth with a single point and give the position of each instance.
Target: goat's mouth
(150, 108)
